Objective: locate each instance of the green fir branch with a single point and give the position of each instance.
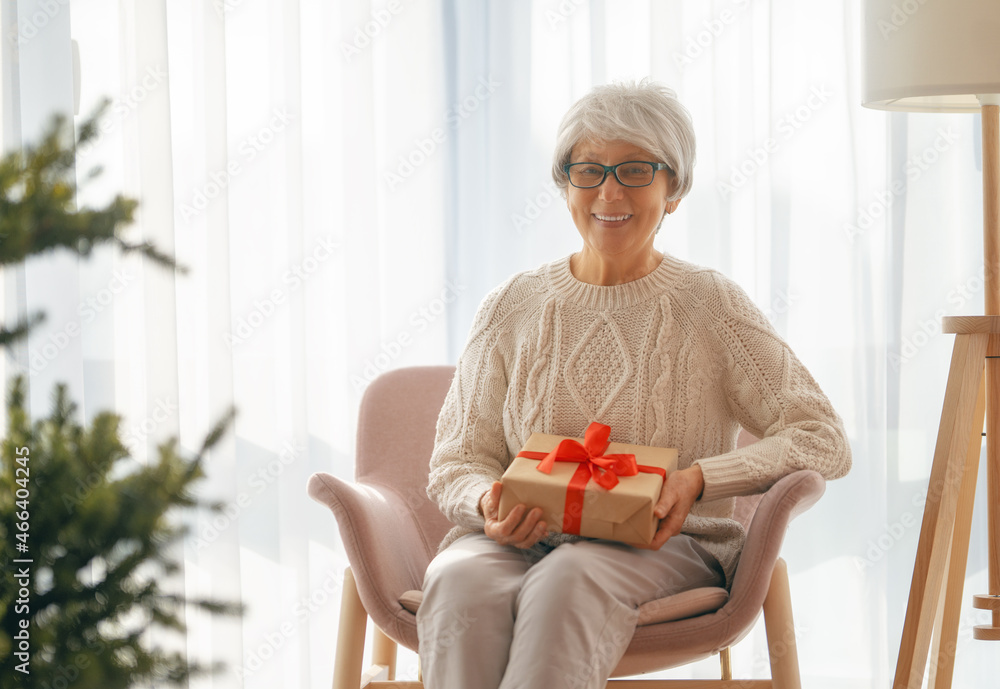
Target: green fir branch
(103, 528)
(101, 535)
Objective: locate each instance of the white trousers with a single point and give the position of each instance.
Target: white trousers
(496, 616)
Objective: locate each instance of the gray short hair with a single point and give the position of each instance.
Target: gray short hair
(645, 114)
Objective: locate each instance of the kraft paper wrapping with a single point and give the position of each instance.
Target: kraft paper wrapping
(624, 513)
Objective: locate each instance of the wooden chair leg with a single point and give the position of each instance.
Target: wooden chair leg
(726, 660)
(350, 637)
(384, 653)
(780, 630)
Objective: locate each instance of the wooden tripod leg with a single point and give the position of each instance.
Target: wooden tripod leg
(991, 289)
(991, 601)
(945, 641)
(961, 395)
(993, 476)
(350, 637)
(935, 670)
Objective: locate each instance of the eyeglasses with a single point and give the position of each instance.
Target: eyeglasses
(631, 173)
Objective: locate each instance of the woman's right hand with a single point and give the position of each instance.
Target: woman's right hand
(521, 528)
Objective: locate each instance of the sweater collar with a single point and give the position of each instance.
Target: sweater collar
(613, 297)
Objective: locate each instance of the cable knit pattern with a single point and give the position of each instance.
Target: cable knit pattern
(679, 358)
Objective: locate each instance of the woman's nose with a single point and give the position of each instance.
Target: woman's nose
(612, 189)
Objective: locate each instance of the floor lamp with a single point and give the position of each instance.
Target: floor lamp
(945, 57)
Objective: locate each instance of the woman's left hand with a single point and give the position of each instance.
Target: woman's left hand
(680, 491)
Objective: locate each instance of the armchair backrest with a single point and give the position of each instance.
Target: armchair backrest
(396, 427)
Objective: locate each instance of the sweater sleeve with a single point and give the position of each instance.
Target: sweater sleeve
(772, 395)
(470, 451)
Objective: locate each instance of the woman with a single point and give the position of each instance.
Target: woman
(664, 352)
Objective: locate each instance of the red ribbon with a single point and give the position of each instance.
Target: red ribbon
(594, 464)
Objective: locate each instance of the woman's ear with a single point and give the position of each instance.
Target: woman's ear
(671, 206)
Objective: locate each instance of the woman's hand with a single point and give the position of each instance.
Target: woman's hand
(680, 491)
(521, 528)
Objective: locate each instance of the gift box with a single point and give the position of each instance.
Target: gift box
(588, 486)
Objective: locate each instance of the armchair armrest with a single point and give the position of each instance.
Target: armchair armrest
(384, 545)
(790, 496)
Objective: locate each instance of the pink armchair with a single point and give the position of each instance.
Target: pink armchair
(391, 530)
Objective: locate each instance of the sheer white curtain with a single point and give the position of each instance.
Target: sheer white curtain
(345, 181)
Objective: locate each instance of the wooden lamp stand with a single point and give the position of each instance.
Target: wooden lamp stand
(933, 610)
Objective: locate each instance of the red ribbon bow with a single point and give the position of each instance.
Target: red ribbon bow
(594, 464)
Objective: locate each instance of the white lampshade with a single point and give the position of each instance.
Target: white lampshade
(931, 55)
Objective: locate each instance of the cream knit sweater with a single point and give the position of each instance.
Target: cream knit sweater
(679, 358)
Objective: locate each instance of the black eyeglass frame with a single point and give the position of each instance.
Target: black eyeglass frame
(614, 169)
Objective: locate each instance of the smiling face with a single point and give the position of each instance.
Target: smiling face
(615, 221)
